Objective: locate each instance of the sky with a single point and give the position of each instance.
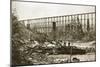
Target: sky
(31, 10)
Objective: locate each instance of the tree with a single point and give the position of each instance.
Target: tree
(20, 34)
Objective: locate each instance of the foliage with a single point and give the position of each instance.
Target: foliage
(20, 35)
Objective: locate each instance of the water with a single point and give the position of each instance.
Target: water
(65, 57)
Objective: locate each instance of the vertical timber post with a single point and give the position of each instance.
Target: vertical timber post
(54, 30)
(88, 26)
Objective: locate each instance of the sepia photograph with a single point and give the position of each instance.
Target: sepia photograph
(45, 33)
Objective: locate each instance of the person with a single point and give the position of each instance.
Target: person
(64, 43)
(69, 44)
